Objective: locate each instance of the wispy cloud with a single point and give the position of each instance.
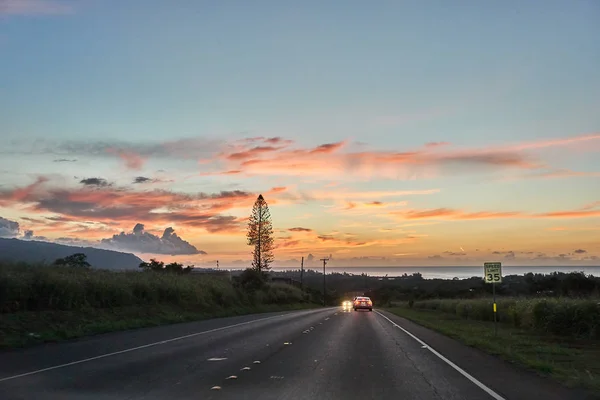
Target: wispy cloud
(132, 154)
(436, 144)
(94, 182)
(371, 196)
(34, 7)
(61, 160)
(560, 142)
(142, 179)
(138, 180)
(131, 159)
(104, 203)
(552, 174)
(570, 214)
(454, 214)
(340, 160)
(299, 229)
(329, 161)
(276, 156)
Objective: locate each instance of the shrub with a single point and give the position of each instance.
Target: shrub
(252, 280)
(40, 288)
(558, 316)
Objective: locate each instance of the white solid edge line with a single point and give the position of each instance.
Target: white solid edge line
(450, 363)
(138, 348)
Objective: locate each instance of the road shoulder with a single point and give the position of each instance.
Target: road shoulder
(508, 380)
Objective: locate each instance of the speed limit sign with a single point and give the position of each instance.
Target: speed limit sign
(492, 272)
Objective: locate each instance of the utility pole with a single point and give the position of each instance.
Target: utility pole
(302, 274)
(324, 287)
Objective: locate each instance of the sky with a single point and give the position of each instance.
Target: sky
(385, 133)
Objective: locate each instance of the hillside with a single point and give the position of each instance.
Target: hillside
(36, 252)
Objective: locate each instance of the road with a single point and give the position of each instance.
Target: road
(316, 354)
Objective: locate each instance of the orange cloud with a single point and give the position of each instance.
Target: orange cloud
(306, 240)
(132, 160)
(571, 214)
(373, 205)
(339, 159)
(327, 148)
(329, 160)
(557, 142)
(447, 213)
(437, 144)
(453, 214)
(299, 229)
(555, 173)
(354, 195)
(108, 204)
(562, 228)
(22, 194)
(253, 152)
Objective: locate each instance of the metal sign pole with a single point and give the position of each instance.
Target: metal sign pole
(495, 319)
(493, 274)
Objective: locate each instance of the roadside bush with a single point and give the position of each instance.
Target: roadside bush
(282, 293)
(42, 288)
(558, 316)
(252, 280)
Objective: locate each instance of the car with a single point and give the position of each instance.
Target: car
(346, 305)
(363, 303)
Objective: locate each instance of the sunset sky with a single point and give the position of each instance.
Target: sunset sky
(381, 133)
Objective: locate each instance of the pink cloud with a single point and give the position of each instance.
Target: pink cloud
(253, 152)
(34, 7)
(335, 160)
(108, 204)
(571, 214)
(560, 142)
(436, 144)
(132, 160)
(454, 214)
(327, 148)
(372, 195)
(562, 173)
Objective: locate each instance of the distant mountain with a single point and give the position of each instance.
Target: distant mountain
(34, 251)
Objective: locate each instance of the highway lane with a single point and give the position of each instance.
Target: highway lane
(314, 354)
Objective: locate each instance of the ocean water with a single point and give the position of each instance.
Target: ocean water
(453, 272)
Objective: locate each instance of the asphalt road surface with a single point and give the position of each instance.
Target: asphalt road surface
(316, 354)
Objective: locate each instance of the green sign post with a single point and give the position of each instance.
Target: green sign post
(492, 273)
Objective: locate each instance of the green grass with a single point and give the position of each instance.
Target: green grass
(563, 316)
(27, 328)
(574, 362)
(47, 303)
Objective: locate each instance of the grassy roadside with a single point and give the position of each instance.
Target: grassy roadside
(40, 303)
(575, 363)
(24, 329)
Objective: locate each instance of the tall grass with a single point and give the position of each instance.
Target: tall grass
(43, 288)
(558, 316)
